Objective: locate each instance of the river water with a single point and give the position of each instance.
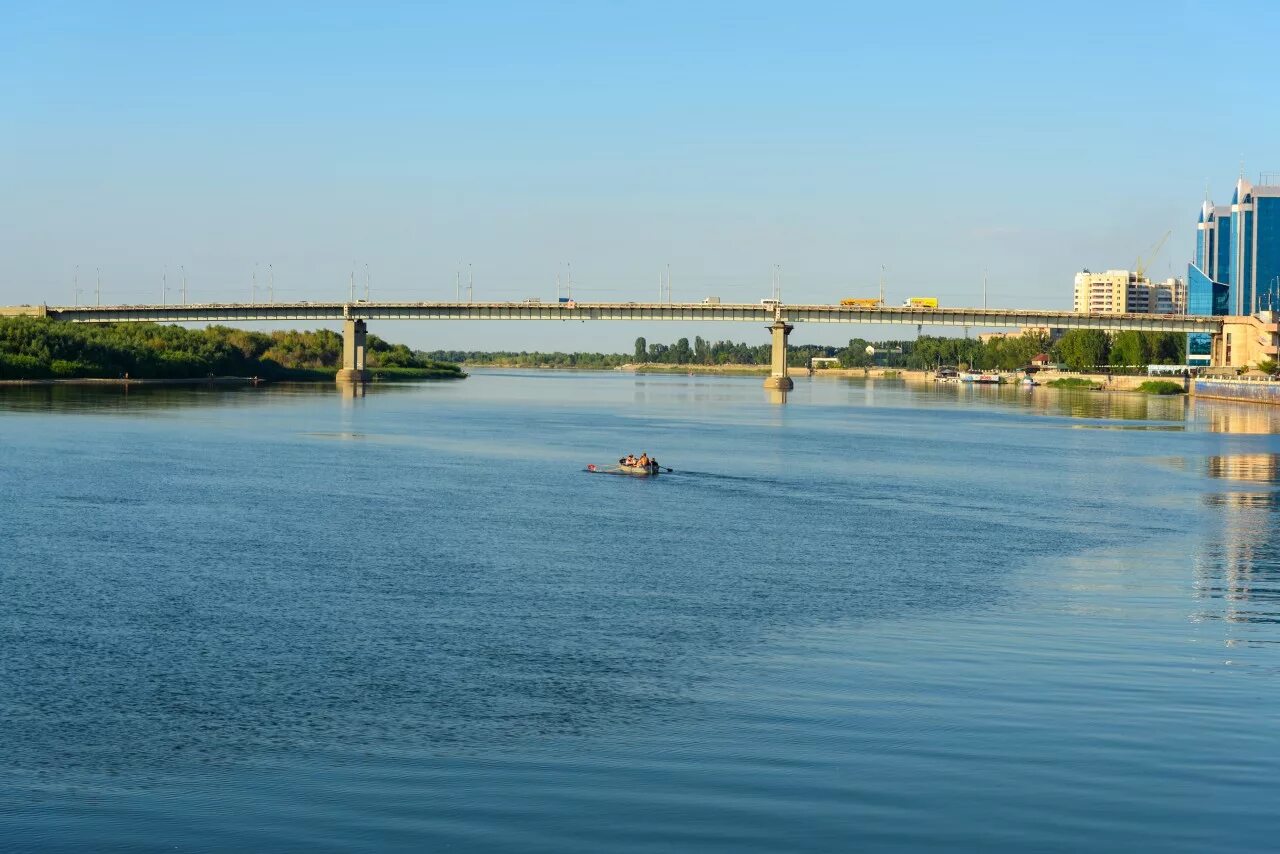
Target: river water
(880, 617)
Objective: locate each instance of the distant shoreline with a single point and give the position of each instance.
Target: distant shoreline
(713, 370)
(638, 368)
(221, 381)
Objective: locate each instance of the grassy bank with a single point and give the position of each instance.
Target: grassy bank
(1073, 382)
(1161, 387)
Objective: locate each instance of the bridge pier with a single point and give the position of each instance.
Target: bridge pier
(778, 378)
(353, 350)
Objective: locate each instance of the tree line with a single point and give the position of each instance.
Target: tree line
(41, 348)
(1079, 349)
(683, 352)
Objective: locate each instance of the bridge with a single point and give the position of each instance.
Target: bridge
(779, 319)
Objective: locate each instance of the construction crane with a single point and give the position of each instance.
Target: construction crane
(1141, 267)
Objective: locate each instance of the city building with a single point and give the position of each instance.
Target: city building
(1170, 296)
(1236, 267)
(1052, 333)
(1126, 292)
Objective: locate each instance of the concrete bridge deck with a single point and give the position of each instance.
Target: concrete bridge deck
(779, 319)
(627, 311)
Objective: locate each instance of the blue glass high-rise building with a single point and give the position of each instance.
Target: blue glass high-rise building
(1236, 269)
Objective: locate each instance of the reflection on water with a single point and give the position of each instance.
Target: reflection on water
(1253, 468)
(1239, 570)
(1238, 574)
(352, 391)
(1127, 407)
(1072, 403)
(1175, 412)
(70, 397)
(1226, 417)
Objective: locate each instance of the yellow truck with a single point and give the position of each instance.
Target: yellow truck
(863, 303)
(921, 302)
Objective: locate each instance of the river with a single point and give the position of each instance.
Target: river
(879, 617)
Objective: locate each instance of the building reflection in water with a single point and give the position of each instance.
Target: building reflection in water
(1225, 417)
(1239, 570)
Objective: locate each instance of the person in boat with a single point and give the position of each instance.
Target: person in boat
(628, 460)
(643, 462)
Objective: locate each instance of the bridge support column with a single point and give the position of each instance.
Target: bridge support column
(353, 338)
(778, 378)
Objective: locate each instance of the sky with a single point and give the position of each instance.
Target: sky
(514, 141)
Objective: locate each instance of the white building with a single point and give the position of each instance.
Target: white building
(1171, 296)
(1124, 292)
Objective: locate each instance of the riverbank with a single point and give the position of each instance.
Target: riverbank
(42, 349)
(1102, 382)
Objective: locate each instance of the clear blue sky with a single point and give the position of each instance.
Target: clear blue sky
(933, 138)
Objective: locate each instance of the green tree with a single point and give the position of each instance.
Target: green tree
(642, 349)
(1082, 349)
(1167, 348)
(855, 355)
(1130, 349)
(701, 351)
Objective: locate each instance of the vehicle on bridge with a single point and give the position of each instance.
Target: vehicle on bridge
(871, 302)
(921, 302)
(770, 302)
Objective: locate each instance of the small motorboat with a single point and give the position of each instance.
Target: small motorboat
(634, 471)
(641, 470)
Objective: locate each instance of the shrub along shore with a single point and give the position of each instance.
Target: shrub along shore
(41, 349)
